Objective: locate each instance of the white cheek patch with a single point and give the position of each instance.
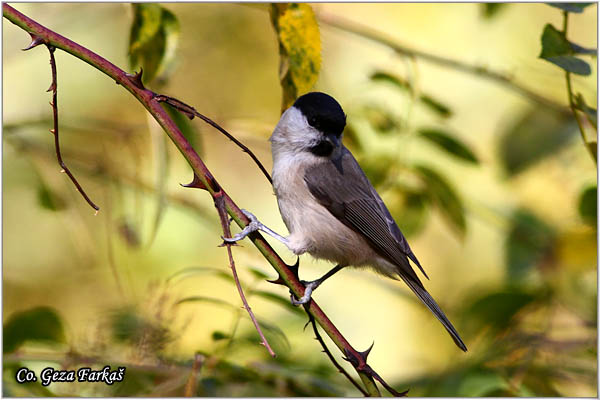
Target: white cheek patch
(293, 132)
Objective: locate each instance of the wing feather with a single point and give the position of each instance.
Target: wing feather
(359, 207)
(341, 186)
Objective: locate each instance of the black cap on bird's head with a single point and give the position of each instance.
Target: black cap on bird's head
(322, 112)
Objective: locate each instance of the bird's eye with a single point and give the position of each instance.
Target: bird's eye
(312, 120)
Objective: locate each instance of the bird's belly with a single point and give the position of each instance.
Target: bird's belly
(313, 229)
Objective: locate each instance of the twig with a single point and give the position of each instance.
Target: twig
(54, 131)
(331, 358)
(220, 205)
(480, 71)
(202, 175)
(192, 383)
(191, 112)
(570, 95)
(96, 167)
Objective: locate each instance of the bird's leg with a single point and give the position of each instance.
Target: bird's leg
(312, 285)
(253, 226)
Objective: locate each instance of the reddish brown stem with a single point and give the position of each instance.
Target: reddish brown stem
(220, 206)
(332, 358)
(54, 104)
(191, 113)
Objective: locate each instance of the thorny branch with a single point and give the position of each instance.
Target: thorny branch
(191, 112)
(54, 131)
(220, 206)
(203, 178)
(104, 169)
(331, 358)
(476, 70)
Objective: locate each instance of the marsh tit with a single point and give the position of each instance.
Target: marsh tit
(328, 204)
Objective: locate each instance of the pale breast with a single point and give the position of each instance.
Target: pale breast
(312, 227)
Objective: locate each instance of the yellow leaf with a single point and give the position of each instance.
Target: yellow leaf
(299, 48)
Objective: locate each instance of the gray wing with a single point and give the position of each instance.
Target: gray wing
(342, 187)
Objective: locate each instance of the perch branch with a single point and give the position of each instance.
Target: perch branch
(203, 176)
(54, 130)
(476, 70)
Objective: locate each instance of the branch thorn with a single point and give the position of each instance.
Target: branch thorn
(136, 79)
(306, 324)
(51, 89)
(35, 41)
(278, 281)
(365, 353)
(196, 183)
(294, 268)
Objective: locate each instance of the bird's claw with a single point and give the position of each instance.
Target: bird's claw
(309, 287)
(253, 226)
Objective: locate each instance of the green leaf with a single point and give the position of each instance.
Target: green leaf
(496, 310)
(588, 209)
(377, 168)
(559, 51)
(381, 120)
(153, 40)
(205, 299)
(258, 274)
(391, 78)
(49, 199)
(427, 100)
(444, 197)
(490, 10)
(200, 270)
(593, 146)
(36, 324)
(529, 241)
(271, 331)
(435, 105)
(185, 125)
(448, 143)
(218, 335)
(129, 326)
(570, 7)
(535, 135)
(275, 298)
(571, 64)
(299, 48)
(481, 384)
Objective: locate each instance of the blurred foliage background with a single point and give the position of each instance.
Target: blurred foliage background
(497, 195)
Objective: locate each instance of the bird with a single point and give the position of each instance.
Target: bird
(329, 206)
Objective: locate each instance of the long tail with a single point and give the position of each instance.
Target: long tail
(426, 298)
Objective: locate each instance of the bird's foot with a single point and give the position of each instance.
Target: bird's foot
(309, 287)
(253, 226)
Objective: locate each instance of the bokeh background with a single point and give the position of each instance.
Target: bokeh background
(496, 193)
